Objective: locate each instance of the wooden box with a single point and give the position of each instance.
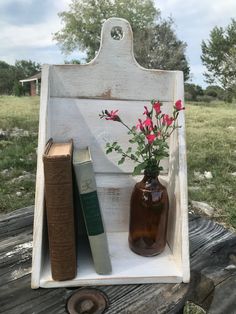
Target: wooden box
(72, 96)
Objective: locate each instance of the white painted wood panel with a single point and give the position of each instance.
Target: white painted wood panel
(72, 97)
(114, 193)
(183, 183)
(113, 74)
(128, 267)
(39, 217)
(79, 119)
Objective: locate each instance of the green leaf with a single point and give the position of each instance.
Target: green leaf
(121, 161)
(138, 169)
(133, 157)
(129, 150)
(109, 150)
(117, 147)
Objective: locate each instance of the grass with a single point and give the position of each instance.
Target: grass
(21, 112)
(211, 146)
(18, 143)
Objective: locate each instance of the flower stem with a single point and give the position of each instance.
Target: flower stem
(135, 159)
(126, 126)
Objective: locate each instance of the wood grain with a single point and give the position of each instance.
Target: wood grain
(212, 286)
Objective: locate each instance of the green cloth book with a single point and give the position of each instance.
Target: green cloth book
(83, 168)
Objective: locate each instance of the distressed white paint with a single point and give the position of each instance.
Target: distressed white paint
(113, 74)
(114, 191)
(39, 192)
(127, 267)
(72, 97)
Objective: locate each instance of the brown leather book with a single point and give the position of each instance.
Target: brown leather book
(57, 161)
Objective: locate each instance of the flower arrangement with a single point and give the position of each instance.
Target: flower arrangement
(149, 137)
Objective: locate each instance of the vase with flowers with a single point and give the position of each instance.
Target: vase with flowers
(149, 203)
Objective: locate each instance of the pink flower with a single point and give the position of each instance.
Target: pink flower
(167, 120)
(148, 122)
(178, 105)
(146, 112)
(112, 115)
(157, 107)
(140, 125)
(150, 138)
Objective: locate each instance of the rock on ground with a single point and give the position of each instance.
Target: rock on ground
(203, 207)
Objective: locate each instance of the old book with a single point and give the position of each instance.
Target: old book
(85, 178)
(57, 161)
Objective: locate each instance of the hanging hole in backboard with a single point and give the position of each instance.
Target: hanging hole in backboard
(117, 33)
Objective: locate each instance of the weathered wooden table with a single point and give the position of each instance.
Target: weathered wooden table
(212, 286)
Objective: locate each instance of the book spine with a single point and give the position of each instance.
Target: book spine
(92, 216)
(60, 216)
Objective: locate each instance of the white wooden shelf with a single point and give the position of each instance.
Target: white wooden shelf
(72, 96)
(127, 267)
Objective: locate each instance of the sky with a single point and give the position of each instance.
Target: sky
(27, 27)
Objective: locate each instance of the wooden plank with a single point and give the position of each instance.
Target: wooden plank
(224, 291)
(183, 182)
(115, 73)
(39, 192)
(16, 213)
(212, 249)
(21, 221)
(138, 269)
(155, 297)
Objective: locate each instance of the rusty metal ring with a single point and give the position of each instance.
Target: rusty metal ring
(87, 301)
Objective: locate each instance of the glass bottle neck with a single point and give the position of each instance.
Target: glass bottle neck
(151, 174)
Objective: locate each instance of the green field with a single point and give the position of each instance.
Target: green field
(211, 146)
(18, 144)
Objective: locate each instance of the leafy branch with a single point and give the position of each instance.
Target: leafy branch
(149, 137)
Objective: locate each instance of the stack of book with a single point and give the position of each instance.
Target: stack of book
(65, 171)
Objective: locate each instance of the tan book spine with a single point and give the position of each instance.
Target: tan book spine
(60, 214)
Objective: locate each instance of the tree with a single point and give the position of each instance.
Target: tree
(155, 43)
(219, 57)
(7, 77)
(192, 91)
(26, 68)
(18, 89)
(214, 91)
(72, 61)
(11, 74)
(159, 48)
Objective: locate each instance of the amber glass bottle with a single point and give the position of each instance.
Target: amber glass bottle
(149, 207)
